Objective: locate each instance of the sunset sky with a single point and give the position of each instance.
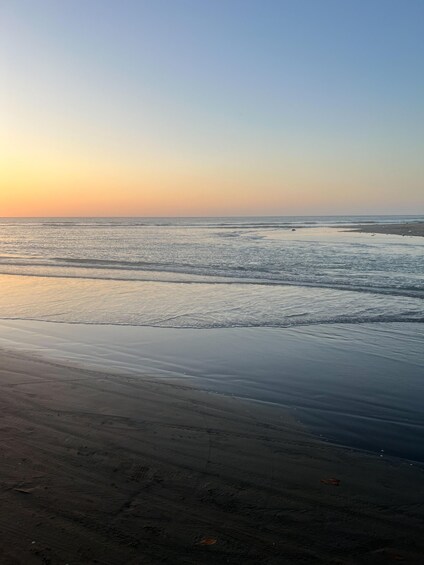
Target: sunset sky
(211, 107)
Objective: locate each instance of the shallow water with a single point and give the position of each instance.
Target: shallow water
(196, 273)
(325, 321)
(359, 385)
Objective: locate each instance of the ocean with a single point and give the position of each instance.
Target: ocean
(297, 311)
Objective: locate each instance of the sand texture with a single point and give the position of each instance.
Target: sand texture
(405, 229)
(106, 469)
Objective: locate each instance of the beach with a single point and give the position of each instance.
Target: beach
(404, 228)
(210, 390)
(101, 468)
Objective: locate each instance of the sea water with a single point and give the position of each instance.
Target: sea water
(294, 310)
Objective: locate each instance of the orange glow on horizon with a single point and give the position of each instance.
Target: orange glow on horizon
(36, 185)
(38, 180)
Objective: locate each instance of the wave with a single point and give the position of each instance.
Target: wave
(408, 292)
(353, 320)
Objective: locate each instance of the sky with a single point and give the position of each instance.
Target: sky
(211, 107)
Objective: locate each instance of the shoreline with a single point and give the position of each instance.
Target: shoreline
(404, 229)
(118, 469)
(316, 372)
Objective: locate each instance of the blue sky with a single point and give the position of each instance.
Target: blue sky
(322, 100)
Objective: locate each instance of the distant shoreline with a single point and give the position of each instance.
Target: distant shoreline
(404, 229)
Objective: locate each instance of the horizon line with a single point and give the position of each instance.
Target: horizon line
(216, 216)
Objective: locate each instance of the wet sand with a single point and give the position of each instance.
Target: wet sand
(98, 468)
(405, 229)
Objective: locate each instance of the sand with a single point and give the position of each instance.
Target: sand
(108, 469)
(405, 229)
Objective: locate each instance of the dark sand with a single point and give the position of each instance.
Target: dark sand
(106, 469)
(407, 228)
